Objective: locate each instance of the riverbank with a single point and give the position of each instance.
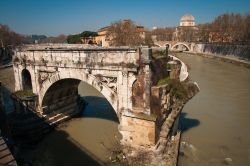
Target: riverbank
(223, 58)
(167, 155)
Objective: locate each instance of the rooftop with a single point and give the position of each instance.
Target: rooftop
(187, 17)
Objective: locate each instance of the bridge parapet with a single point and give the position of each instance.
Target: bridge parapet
(70, 56)
(176, 45)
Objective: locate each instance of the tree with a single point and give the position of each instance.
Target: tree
(76, 39)
(148, 41)
(203, 32)
(233, 26)
(124, 33)
(163, 34)
(88, 34)
(9, 37)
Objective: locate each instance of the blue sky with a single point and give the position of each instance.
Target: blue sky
(53, 17)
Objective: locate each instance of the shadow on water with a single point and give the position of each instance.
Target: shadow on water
(99, 107)
(53, 148)
(57, 147)
(36, 148)
(65, 151)
(187, 123)
(65, 145)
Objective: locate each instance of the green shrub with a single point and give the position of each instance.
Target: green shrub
(163, 81)
(178, 89)
(24, 93)
(159, 53)
(169, 66)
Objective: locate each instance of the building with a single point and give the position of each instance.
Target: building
(141, 30)
(186, 31)
(104, 40)
(187, 21)
(89, 40)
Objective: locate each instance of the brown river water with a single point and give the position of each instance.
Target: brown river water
(215, 123)
(86, 140)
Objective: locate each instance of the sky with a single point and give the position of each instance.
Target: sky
(54, 17)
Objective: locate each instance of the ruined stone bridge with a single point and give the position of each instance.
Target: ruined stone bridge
(122, 75)
(175, 45)
(54, 72)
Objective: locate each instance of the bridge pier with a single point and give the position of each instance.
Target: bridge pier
(138, 129)
(138, 125)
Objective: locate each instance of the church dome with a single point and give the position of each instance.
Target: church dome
(187, 17)
(187, 20)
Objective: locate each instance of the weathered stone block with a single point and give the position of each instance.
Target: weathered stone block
(137, 131)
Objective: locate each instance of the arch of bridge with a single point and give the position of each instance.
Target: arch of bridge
(92, 80)
(177, 44)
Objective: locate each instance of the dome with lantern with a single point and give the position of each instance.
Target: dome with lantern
(187, 20)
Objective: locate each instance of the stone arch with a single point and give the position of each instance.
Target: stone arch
(26, 79)
(183, 44)
(157, 45)
(92, 80)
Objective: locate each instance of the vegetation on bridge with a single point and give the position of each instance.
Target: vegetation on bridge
(161, 75)
(24, 93)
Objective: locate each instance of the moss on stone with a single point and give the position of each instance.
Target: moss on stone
(159, 54)
(24, 93)
(178, 89)
(163, 81)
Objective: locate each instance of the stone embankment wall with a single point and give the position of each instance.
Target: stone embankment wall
(183, 71)
(230, 50)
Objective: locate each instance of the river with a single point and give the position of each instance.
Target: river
(86, 140)
(216, 122)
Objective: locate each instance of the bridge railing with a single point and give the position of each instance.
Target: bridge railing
(80, 56)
